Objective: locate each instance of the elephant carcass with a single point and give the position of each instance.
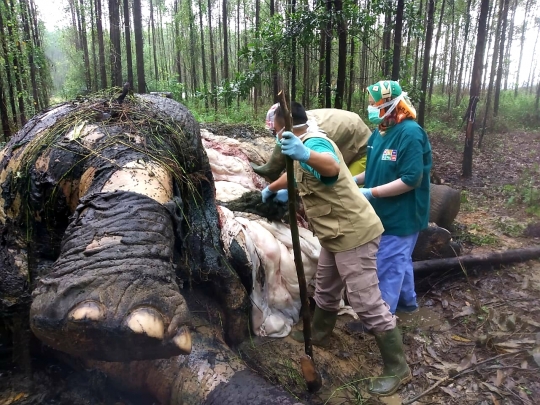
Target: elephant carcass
(118, 200)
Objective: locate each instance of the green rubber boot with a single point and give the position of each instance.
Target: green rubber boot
(395, 370)
(274, 167)
(322, 325)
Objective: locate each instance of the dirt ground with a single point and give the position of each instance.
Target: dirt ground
(476, 339)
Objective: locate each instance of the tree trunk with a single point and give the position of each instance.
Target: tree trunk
(465, 43)
(533, 64)
(6, 129)
(213, 77)
(387, 39)
(116, 51)
(425, 68)
(322, 56)
(257, 90)
(154, 50)
(74, 24)
(397, 39)
(495, 258)
(225, 25)
(522, 43)
(351, 75)
(84, 41)
(507, 57)
(203, 57)
(192, 48)
(494, 58)
(294, 59)
(476, 85)
(416, 58)
(7, 68)
(18, 68)
(455, 34)
(342, 54)
(328, 57)
(94, 54)
(101, 45)
(432, 79)
(127, 34)
(496, 100)
(275, 82)
(139, 46)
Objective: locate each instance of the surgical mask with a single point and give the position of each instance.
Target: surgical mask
(374, 111)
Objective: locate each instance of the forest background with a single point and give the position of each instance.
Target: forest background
(466, 64)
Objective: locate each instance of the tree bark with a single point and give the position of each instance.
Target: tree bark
(84, 40)
(257, 90)
(416, 58)
(522, 43)
(139, 46)
(275, 80)
(18, 68)
(116, 51)
(225, 25)
(101, 45)
(437, 38)
(154, 50)
(342, 54)
(465, 43)
(213, 77)
(351, 74)
(425, 68)
(294, 58)
(507, 57)
(496, 100)
(397, 39)
(192, 48)
(94, 54)
(203, 57)
(387, 39)
(495, 258)
(7, 68)
(476, 84)
(6, 129)
(322, 56)
(328, 57)
(127, 35)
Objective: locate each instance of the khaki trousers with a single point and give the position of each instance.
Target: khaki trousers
(355, 269)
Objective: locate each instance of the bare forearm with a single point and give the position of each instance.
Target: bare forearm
(279, 184)
(360, 178)
(391, 189)
(323, 163)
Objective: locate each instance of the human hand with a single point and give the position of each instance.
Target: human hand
(266, 194)
(293, 147)
(282, 196)
(366, 192)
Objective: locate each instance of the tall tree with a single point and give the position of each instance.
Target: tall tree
(101, 44)
(437, 38)
(462, 59)
(84, 41)
(328, 57)
(274, 73)
(213, 78)
(522, 43)
(425, 68)
(115, 51)
(153, 36)
(94, 55)
(225, 25)
(127, 36)
(504, 18)
(476, 85)
(139, 46)
(342, 53)
(7, 67)
(387, 37)
(18, 65)
(203, 56)
(397, 39)
(293, 54)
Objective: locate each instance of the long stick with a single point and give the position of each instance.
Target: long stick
(311, 375)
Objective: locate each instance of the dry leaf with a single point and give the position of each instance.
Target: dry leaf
(467, 362)
(460, 339)
(465, 311)
(500, 376)
(449, 391)
(515, 344)
(495, 400)
(531, 322)
(492, 388)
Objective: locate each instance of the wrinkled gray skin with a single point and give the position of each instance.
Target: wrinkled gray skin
(103, 268)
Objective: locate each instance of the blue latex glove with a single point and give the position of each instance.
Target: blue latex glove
(282, 196)
(293, 147)
(355, 179)
(367, 193)
(266, 194)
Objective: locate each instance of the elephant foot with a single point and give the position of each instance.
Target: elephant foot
(112, 294)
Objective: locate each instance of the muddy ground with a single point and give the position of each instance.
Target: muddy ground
(476, 339)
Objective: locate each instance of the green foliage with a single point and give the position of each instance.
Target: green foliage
(526, 191)
(242, 113)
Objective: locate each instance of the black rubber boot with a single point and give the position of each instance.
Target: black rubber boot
(273, 168)
(322, 325)
(395, 370)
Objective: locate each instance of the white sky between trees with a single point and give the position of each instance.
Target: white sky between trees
(54, 16)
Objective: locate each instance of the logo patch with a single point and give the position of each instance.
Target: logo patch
(389, 154)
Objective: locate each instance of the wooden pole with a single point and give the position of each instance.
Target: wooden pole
(311, 375)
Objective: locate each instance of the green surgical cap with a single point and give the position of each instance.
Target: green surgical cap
(384, 89)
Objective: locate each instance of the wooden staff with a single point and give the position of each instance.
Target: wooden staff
(310, 372)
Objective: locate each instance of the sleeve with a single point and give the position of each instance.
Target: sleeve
(410, 163)
(321, 145)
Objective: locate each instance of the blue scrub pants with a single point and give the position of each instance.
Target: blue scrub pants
(395, 271)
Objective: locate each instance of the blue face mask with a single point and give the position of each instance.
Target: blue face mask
(374, 115)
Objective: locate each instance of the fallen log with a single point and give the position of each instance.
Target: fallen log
(423, 267)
